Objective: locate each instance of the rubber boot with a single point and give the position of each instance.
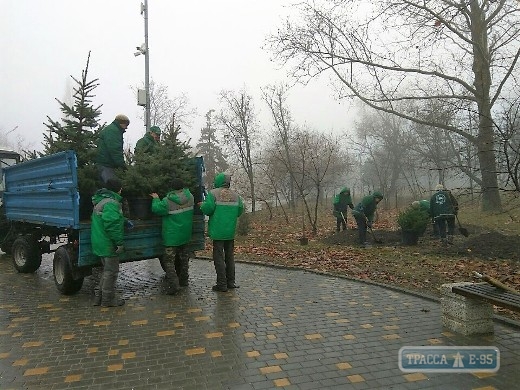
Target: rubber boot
(182, 261)
(171, 274)
(111, 300)
(97, 297)
(108, 292)
(450, 239)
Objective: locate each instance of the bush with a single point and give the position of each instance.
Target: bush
(244, 224)
(413, 220)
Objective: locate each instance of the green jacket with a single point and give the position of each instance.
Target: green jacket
(223, 206)
(424, 204)
(107, 227)
(176, 209)
(147, 144)
(366, 207)
(110, 146)
(443, 203)
(342, 201)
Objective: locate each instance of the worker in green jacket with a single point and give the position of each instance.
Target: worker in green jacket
(341, 203)
(109, 148)
(176, 209)
(223, 206)
(107, 234)
(364, 213)
(149, 142)
(443, 209)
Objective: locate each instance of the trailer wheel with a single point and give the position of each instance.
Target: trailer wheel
(62, 270)
(26, 254)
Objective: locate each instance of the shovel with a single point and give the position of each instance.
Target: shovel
(462, 230)
(495, 282)
(376, 240)
(344, 220)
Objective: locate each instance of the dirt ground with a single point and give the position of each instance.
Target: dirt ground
(479, 244)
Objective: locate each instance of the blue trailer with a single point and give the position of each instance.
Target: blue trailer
(42, 207)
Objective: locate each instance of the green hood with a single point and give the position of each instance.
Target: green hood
(222, 180)
(104, 193)
(345, 190)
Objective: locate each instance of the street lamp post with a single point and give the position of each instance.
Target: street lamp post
(144, 49)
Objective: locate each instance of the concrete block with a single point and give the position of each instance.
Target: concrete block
(468, 328)
(466, 309)
(465, 315)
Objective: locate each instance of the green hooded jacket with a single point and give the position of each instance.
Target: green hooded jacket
(147, 144)
(176, 209)
(443, 203)
(424, 204)
(223, 206)
(110, 146)
(107, 227)
(366, 207)
(342, 201)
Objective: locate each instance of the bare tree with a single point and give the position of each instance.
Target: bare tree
(510, 143)
(240, 127)
(209, 146)
(384, 141)
(275, 97)
(400, 50)
(165, 111)
(316, 157)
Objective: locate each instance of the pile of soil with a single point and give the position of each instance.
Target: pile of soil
(484, 245)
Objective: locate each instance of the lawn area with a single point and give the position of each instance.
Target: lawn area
(491, 248)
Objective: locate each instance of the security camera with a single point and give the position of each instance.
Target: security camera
(138, 47)
(137, 53)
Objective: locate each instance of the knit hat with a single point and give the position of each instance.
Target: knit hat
(155, 129)
(177, 184)
(222, 180)
(378, 194)
(439, 187)
(122, 119)
(113, 184)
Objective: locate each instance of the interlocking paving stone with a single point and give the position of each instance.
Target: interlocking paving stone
(283, 328)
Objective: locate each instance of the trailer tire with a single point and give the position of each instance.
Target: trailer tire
(26, 254)
(62, 271)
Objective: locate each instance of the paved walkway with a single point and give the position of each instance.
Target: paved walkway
(282, 329)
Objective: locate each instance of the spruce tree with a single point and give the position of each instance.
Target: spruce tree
(209, 147)
(77, 130)
(153, 172)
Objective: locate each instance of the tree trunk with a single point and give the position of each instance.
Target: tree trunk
(485, 140)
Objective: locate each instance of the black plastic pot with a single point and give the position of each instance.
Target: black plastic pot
(410, 237)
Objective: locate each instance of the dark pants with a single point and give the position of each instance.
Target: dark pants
(107, 282)
(176, 264)
(362, 229)
(341, 222)
(441, 222)
(224, 261)
(106, 173)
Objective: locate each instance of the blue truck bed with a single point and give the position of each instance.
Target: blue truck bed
(44, 193)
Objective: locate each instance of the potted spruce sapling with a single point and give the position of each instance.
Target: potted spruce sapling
(153, 172)
(413, 223)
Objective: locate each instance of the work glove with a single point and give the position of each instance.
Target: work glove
(129, 225)
(120, 249)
